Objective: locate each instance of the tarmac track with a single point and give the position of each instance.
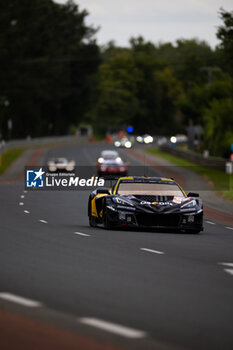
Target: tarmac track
(108, 288)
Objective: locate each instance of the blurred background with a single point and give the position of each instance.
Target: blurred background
(56, 79)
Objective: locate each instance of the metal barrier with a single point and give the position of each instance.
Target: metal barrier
(209, 162)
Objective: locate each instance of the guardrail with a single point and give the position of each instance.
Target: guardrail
(42, 141)
(209, 162)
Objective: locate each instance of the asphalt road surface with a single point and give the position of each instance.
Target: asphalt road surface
(130, 289)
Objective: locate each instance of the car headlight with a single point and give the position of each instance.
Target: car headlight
(117, 143)
(121, 201)
(118, 160)
(190, 204)
(128, 144)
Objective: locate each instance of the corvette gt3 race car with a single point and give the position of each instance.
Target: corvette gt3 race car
(60, 164)
(146, 202)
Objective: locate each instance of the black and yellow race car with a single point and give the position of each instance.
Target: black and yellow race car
(146, 202)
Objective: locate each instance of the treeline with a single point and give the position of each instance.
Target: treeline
(163, 89)
(47, 61)
(54, 76)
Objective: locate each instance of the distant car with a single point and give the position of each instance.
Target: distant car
(179, 139)
(145, 139)
(123, 142)
(149, 202)
(107, 155)
(61, 164)
(110, 163)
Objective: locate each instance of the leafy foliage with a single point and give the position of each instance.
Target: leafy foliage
(135, 86)
(48, 58)
(218, 125)
(225, 35)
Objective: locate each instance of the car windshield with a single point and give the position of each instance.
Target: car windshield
(60, 161)
(113, 161)
(157, 189)
(109, 154)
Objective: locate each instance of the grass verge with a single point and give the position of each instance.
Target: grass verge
(8, 157)
(219, 179)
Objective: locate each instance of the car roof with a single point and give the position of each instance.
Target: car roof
(109, 153)
(60, 159)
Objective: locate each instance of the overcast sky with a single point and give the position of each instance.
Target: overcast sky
(155, 20)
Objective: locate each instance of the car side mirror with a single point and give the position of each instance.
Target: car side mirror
(193, 194)
(102, 191)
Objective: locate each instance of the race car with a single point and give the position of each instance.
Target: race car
(146, 202)
(145, 139)
(107, 155)
(110, 163)
(124, 142)
(61, 164)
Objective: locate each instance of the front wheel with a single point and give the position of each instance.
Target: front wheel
(92, 221)
(193, 231)
(106, 221)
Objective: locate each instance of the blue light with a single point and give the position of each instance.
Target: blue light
(130, 129)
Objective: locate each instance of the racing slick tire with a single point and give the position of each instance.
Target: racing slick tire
(193, 231)
(92, 221)
(106, 221)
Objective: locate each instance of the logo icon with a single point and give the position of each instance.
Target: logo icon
(35, 178)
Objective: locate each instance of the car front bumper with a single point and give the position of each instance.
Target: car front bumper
(174, 221)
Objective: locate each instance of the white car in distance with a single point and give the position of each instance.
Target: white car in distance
(61, 164)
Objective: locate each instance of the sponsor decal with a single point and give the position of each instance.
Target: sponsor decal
(165, 203)
(156, 203)
(179, 200)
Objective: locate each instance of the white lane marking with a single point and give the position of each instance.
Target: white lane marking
(152, 251)
(226, 264)
(26, 212)
(113, 328)
(25, 191)
(81, 234)
(20, 300)
(229, 228)
(43, 221)
(22, 196)
(210, 222)
(21, 203)
(230, 271)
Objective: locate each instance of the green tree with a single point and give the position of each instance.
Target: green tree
(225, 35)
(117, 87)
(218, 126)
(48, 58)
(156, 90)
(135, 87)
(188, 58)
